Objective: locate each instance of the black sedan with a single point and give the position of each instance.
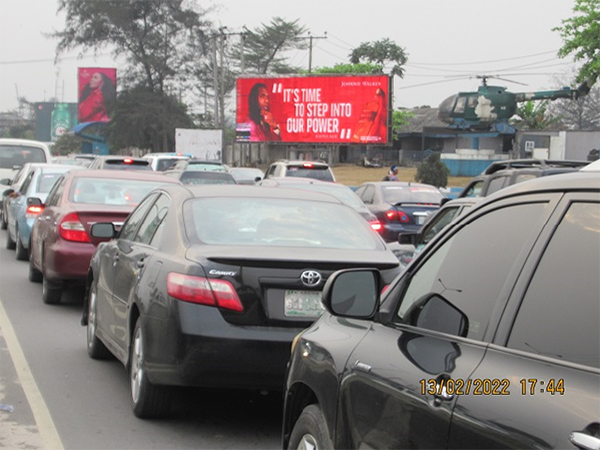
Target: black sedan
(208, 285)
(489, 339)
(400, 206)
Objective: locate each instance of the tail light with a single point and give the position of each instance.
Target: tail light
(127, 160)
(376, 225)
(205, 291)
(393, 215)
(70, 228)
(33, 211)
(307, 165)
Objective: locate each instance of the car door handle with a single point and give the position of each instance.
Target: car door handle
(584, 441)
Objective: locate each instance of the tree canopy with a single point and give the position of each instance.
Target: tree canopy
(380, 52)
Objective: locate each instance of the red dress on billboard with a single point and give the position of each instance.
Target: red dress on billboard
(93, 108)
(371, 126)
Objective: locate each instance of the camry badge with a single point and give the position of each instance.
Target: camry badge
(310, 278)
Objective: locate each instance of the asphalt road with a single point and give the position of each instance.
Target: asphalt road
(53, 396)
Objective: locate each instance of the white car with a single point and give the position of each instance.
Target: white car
(162, 161)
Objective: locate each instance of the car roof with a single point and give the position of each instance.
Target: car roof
(399, 184)
(250, 191)
(301, 180)
(10, 141)
(301, 162)
(122, 174)
(532, 163)
(592, 167)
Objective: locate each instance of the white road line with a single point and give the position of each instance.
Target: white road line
(40, 411)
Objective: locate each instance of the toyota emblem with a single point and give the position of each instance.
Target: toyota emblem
(310, 278)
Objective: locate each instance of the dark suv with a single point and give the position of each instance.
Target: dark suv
(300, 168)
(489, 339)
(501, 174)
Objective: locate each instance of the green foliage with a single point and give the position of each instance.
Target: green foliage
(20, 132)
(264, 48)
(581, 37)
(67, 143)
(380, 52)
(400, 118)
(147, 119)
(433, 171)
(532, 115)
(350, 69)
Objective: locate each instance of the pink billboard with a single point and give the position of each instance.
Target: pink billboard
(97, 93)
(313, 109)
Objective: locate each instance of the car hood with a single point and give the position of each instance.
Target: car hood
(327, 257)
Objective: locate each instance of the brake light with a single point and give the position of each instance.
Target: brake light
(127, 160)
(33, 211)
(205, 291)
(394, 215)
(308, 165)
(70, 228)
(376, 225)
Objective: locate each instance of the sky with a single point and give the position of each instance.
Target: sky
(449, 43)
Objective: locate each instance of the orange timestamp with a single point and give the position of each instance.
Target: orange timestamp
(489, 386)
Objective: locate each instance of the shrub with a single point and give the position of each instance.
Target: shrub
(433, 171)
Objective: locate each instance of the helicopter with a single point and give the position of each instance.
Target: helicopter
(492, 105)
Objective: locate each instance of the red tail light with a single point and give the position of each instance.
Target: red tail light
(70, 228)
(394, 215)
(127, 160)
(376, 225)
(308, 165)
(33, 211)
(205, 291)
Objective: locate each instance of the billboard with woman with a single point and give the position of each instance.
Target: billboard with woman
(97, 94)
(314, 109)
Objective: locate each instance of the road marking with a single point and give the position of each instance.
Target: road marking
(40, 411)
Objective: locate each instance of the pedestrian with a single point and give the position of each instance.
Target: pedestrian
(393, 175)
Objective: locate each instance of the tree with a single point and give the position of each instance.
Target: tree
(263, 50)
(380, 52)
(581, 37)
(533, 116)
(433, 171)
(66, 144)
(582, 113)
(342, 69)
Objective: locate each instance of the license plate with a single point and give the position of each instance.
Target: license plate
(420, 219)
(303, 304)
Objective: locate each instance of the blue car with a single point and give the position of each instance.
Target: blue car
(19, 215)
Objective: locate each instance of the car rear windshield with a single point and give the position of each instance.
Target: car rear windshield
(110, 191)
(206, 177)
(216, 167)
(412, 194)
(18, 155)
(318, 173)
(277, 222)
(124, 164)
(163, 164)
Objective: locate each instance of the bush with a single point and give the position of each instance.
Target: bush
(433, 171)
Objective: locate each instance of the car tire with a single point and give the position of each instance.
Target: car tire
(95, 347)
(35, 276)
(10, 244)
(51, 292)
(148, 401)
(21, 253)
(310, 431)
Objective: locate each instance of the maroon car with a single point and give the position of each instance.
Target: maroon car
(61, 247)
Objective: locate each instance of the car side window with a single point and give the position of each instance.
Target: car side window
(55, 193)
(153, 219)
(26, 183)
(474, 190)
(496, 184)
(134, 219)
(471, 268)
(368, 194)
(439, 222)
(557, 318)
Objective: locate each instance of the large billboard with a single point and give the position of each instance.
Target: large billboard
(52, 120)
(314, 109)
(97, 93)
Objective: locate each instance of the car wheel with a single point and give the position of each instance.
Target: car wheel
(10, 244)
(35, 276)
(51, 292)
(310, 431)
(147, 400)
(22, 253)
(95, 347)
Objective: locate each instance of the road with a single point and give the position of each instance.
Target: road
(53, 396)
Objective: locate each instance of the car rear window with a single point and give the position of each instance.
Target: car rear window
(18, 155)
(46, 181)
(207, 166)
(411, 194)
(318, 173)
(110, 191)
(126, 164)
(270, 222)
(206, 177)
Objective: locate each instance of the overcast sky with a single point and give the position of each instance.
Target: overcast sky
(448, 43)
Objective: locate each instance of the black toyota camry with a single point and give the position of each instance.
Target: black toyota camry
(208, 285)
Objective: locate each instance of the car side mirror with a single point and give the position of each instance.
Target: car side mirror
(34, 201)
(257, 179)
(407, 238)
(5, 181)
(103, 230)
(352, 293)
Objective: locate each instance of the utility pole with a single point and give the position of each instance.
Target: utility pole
(310, 38)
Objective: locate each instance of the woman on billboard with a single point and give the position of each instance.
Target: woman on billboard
(263, 126)
(97, 99)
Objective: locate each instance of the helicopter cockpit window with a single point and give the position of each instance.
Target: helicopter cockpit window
(472, 102)
(460, 105)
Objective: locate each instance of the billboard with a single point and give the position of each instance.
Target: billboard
(314, 109)
(97, 93)
(201, 144)
(52, 120)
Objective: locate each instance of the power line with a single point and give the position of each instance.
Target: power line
(52, 60)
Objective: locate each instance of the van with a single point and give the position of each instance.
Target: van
(163, 161)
